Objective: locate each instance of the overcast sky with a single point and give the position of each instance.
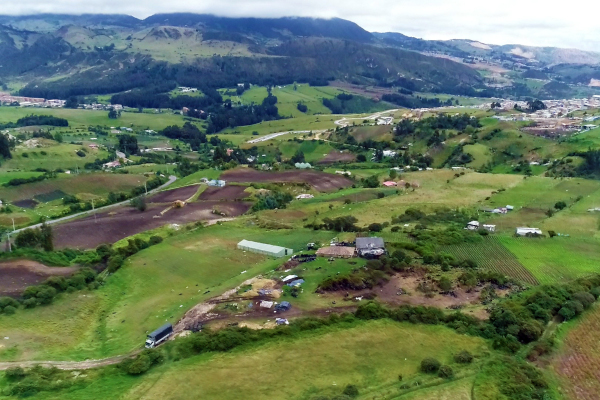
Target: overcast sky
(540, 23)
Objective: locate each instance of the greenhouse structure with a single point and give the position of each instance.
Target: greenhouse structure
(263, 248)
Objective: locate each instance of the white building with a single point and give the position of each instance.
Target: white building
(523, 231)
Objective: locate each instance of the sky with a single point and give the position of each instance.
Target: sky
(572, 24)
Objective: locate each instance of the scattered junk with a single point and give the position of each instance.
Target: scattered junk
(264, 292)
(309, 246)
(281, 321)
(473, 226)
(266, 304)
(283, 306)
(296, 283)
(489, 228)
(304, 196)
(263, 248)
(501, 210)
(370, 247)
(523, 231)
(289, 278)
(302, 258)
(337, 251)
(216, 183)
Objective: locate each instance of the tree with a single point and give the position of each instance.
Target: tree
(128, 144)
(298, 157)
(72, 102)
(446, 372)
(27, 238)
(302, 107)
(361, 158)
(430, 365)
(46, 237)
(393, 174)
(351, 391)
(560, 205)
(375, 227)
(139, 203)
(113, 114)
(464, 357)
(4, 147)
(445, 284)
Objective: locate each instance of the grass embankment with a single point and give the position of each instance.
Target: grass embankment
(370, 355)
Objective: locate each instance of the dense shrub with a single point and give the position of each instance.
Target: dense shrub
(351, 390)
(445, 371)
(430, 365)
(464, 357)
(142, 362)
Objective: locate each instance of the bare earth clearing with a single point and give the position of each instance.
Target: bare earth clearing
(110, 227)
(335, 156)
(230, 192)
(16, 275)
(170, 196)
(321, 181)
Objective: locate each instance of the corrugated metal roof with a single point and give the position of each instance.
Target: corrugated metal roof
(269, 248)
(369, 243)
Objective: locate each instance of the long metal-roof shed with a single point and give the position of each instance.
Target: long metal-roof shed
(263, 248)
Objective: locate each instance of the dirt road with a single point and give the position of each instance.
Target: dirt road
(68, 365)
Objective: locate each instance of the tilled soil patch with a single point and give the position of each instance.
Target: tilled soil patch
(110, 227)
(231, 192)
(335, 156)
(16, 275)
(321, 181)
(169, 196)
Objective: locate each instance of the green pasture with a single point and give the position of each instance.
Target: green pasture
(555, 260)
(56, 156)
(481, 155)
(288, 97)
(79, 118)
(369, 355)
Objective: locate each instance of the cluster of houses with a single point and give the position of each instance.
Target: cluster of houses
(365, 247)
(7, 99)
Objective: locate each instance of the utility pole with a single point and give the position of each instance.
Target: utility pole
(13, 220)
(146, 187)
(9, 245)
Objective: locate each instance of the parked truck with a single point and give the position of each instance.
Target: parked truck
(159, 336)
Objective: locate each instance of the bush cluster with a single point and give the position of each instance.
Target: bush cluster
(142, 362)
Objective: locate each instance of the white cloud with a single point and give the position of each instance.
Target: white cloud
(540, 23)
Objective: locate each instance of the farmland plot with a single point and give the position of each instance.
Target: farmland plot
(557, 259)
(493, 256)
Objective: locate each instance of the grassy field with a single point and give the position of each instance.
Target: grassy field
(480, 153)
(56, 156)
(288, 98)
(369, 355)
(79, 118)
(557, 259)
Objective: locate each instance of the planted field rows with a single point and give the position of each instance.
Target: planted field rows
(579, 362)
(491, 255)
(557, 259)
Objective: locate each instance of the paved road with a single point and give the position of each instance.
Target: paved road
(172, 179)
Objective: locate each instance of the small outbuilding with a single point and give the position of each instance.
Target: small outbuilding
(216, 183)
(473, 225)
(263, 248)
(489, 228)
